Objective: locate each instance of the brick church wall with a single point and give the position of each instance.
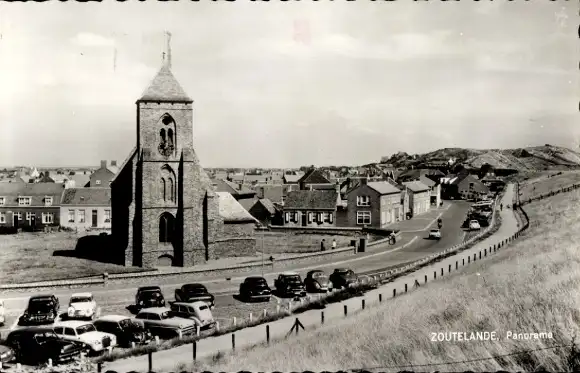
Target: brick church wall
(237, 240)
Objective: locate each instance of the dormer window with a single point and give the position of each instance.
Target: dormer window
(24, 201)
(48, 201)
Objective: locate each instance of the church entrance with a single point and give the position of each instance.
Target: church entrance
(165, 261)
(167, 238)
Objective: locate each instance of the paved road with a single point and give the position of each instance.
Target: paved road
(168, 360)
(115, 299)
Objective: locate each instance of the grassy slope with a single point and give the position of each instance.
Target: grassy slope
(529, 287)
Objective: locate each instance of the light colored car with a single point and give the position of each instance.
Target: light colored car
(82, 306)
(435, 234)
(161, 322)
(197, 311)
(86, 333)
(2, 312)
(474, 224)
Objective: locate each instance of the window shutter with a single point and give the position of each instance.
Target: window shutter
(319, 217)
(296, 217)
(309, 217)
(330, 217)
(287, 217)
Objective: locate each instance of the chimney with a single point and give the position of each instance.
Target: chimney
(103, 164)
(114, 163)
(240, 186)
(363, 181)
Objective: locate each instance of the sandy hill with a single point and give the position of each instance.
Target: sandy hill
(536, 158)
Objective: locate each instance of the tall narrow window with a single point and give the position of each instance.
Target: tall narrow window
(166, 228)
(170, 137)
(162, 134)
(171, 190)
(162, 188)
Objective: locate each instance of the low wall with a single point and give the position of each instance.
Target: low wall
(316, 230)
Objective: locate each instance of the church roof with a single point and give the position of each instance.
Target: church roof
(231, 210)
(164, 87)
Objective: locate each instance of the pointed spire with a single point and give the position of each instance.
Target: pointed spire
(168, 49)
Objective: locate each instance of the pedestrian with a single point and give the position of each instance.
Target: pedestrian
(322, 245)
(417, 283)
(333, 244)
(501, 206)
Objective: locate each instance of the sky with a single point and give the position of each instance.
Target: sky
(285, 84)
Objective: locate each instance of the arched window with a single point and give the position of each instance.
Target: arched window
(162, 189)
(162, 134)
(170, 137)
(166, 227)
(171, 190)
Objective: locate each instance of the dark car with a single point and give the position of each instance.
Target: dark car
(255, 288)
(149, 296)
(317, 281)
(290, 284)
(38, 344)
(126, 329)
(194, 293)
(41, 309)
(343, 278)
(7, 354)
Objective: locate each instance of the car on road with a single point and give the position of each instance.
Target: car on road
(435, 234)
(149, 296)
(194, 292)
(85, 333)
(197, 311)
(343, 278)
(126, 329)
(35, 345)
(255, 288)
(317, 281)
(7, 354)
(474, 225)
(2, 313)
(160, 322)
(41, 309)
(81, 306)
(290, 284)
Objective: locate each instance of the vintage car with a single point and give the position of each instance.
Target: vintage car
(197, 311)
(343, 278)
(41, 309)
(126, 329)
(290, 284)
(160, 322)
(255, 288)
(35, 345)
(86, 333)
(7, 354)
(149, 296)
(317, 281)
(435, 234)
(193, 293)
(82, 306)
(2, 313)
(474, 225)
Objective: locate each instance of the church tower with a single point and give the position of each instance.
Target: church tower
(173, 217)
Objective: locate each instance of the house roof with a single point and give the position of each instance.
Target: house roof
(311, 199)
(127, 160)
(231, 210)
(428, 182)
(164, 87)
(275, 193)
(292, 178)
(314, 176)
(232, 188)
(87, 197)
(268, 205)
(382, 187)
(416, 186)
(248, 203)
(37, 191)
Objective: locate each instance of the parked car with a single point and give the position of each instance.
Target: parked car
(160, 322)
(435, 234)
(193, 293)
(37, 344)
(317, 281)
(290, 284)
(82, 306)
(255, 288)
(126, 329)
(343, 278)
(197, 311)
(41, 309)
(474, 225)
(2, 313)
(149, 296)
(7, 354)
(86, 333)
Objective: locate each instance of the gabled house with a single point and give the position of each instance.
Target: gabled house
(419, 197)
(374, 204)
(434, 190)
(314, 179)
(463, 186)
(266, 212)
(275, 193)
(311, 208)
(30, 206)
(103, 176)
(85, 208)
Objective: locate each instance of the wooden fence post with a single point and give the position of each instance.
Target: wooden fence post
(468, 259)
(405, 288)
(233, 341)
(394, 293)
(449, 267)
(441, 271)
(463, 262)
(150, 358)
(322, 317)
(345, 310)
(380, 298)
(425, 278)
(268, 334)
(434, 274)
(194, 350)
(456, 264)
(363, 304)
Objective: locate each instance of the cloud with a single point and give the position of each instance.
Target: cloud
(86, 39)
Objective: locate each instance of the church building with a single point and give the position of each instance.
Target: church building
(164, 207)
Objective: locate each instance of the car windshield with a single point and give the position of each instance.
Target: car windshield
(319, 276)
(151, 294)
(85, 329)
(130, 324)
(80, 299)
(293, 278)
(256, 281)
(40, 305)
(195, 289)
